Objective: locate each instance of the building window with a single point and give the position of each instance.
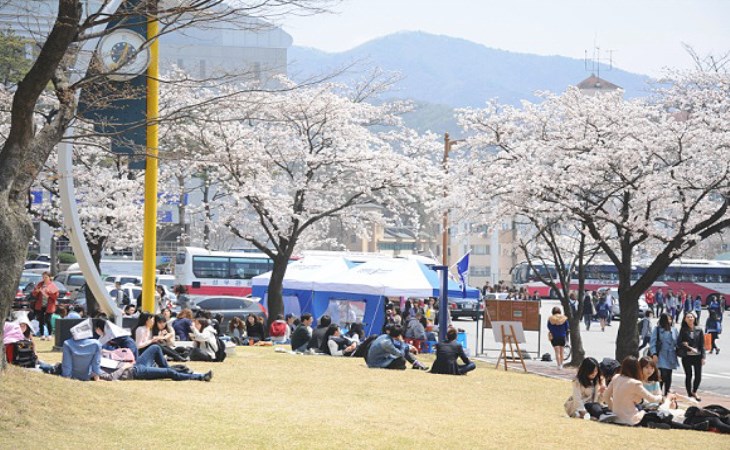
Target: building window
(479, 271)
(397, 246)
(480, 249)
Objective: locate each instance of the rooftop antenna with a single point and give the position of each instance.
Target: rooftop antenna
(594, 63)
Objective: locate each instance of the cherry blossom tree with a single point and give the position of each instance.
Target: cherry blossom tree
(291, 161)
(647, 179)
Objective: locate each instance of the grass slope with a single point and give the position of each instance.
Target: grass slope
(262, 399)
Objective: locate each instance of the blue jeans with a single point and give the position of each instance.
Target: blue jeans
(145, 368)
(123, 342)
(467, 368)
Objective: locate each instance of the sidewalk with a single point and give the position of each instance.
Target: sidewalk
(550, 370)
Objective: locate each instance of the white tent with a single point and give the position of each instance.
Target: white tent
(301, 274)
(397, 277)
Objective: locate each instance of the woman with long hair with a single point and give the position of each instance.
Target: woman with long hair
(663, 347)
(588, 388)
(45, 294)
(165, 336)
(237, 330)
(205, 342)
(254, 330)
(626, 391)
(691, 348)
(143, 332)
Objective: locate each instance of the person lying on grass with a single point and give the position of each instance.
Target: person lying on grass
(152, 365)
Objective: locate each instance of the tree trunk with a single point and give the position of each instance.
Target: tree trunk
(276, 287)
(16, 230)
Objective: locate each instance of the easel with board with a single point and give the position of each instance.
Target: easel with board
(509, 334)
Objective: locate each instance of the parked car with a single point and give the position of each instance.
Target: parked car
(37, 266)
(643, 306)
(27, 282)
(124, 279)
(72, 279)
(130, 294)
(230, 306)
(465, 307)
(166, 280)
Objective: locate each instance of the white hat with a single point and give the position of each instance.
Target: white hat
(22, 317)
(82, 330)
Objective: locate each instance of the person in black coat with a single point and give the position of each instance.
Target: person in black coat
(447, 353)
(316, 343)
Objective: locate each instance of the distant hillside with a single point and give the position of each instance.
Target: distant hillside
(451, 72)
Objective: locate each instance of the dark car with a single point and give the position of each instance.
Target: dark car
(229, 307)
(465, 307)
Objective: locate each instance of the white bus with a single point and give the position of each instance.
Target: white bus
(206, 272)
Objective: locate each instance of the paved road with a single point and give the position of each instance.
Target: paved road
(716, 372)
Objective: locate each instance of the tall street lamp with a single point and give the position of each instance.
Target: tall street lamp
(445, 225)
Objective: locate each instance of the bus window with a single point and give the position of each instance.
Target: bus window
(210, 267)
(247, 268)
(712, 278)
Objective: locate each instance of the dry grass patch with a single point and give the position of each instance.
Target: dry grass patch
(262, 399)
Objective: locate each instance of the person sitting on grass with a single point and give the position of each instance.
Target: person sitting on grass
(152, 365)
(237, 330)
(279, 330)
(254, 330)
(356, 333)
(205, 343)
(317, 342)
(165, 334)
(183, 324)
(81, 358)
(338, 345)
(143, 332)
(302, 334)
(626, 391)
(389, 351)
(447, 353)
(588, 389)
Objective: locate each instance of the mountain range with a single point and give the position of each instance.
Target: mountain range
(440, 73)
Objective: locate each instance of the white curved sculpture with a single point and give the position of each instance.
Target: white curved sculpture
(68, 192)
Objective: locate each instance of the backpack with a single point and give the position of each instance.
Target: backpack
(278, 329)
(22, 354)
(119, 354)
(220, 354)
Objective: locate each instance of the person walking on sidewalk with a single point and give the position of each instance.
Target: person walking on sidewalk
(691, 348)
(659, 302)
(663, 348)
(603, 312)
(714, 327)
(588, 310)
(645, 329)
(558, 333)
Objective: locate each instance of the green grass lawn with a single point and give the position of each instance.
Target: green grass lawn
(262, 399)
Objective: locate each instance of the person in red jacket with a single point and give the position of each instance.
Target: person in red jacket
(46, 296)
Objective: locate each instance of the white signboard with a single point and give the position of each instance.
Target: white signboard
(519, 332)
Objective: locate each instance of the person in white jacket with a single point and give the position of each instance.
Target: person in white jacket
(203, 334)
(588, 388)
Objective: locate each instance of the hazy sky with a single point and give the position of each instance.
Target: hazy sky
(645, 35)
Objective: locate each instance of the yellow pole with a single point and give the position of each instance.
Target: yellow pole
(149, 254)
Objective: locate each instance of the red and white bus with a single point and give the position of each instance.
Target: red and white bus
(207, 272)
(707, 278)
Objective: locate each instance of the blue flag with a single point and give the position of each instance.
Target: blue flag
(462, 267)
